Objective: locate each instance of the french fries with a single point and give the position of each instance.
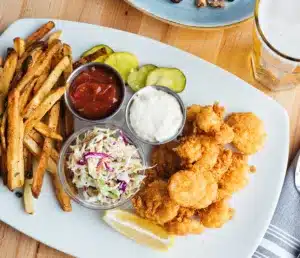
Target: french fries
(29, 170)
(36, 151)
(19, 46)
(40, 33)
(62, 197)
(39, 67)
(47, 131)
(32, 81)
(43, 161)
(3, 130)
(46, 87)
(54, 36)
(90, 58)
(15, 162)
(9, 69)
(45, 106)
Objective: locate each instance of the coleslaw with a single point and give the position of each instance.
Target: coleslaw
(105, 166)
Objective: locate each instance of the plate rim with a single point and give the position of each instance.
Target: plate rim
(285, 115)
(227, 25)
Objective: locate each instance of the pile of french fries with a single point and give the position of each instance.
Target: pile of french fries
(34, 119)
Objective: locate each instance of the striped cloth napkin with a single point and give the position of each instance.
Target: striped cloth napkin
(282, 238)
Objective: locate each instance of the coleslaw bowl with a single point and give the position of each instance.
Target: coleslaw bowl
(65, 174)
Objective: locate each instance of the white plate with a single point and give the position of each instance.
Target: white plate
(82, 232)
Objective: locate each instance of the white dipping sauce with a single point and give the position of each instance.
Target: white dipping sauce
(155, 115)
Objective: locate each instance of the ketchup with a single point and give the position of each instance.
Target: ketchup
(96, 93)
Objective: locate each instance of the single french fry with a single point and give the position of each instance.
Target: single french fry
(15, 164)
(36, 151)
(68, 120)
(90, 58)
(67, 51)
(26, 94)
(38, 176)
(3, 130)
(63, 199)
(41, 79)
(40, 66)
(40, 33)
(53, 36)
(46, 87)
(47, 132)
(35, 55)
(28, 197)
(19, 46)
(7, 76)
(43, 108)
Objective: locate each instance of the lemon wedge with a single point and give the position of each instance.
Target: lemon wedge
(142, 231)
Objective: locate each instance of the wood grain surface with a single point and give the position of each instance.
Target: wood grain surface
(228, 48)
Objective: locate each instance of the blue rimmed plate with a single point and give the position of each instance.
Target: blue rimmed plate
(186, 13)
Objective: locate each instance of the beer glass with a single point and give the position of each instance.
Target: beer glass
(276, 44)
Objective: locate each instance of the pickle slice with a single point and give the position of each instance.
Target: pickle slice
(123, 62)
(137, 78)
(172, 78)
(96, 48)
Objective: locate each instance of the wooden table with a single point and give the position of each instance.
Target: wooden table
(228, 48)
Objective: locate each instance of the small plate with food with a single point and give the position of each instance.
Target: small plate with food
(133, 149)
(197, 13)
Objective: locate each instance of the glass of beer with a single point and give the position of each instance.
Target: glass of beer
(276, 44)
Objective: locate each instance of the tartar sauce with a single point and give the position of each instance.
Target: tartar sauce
(155, 115)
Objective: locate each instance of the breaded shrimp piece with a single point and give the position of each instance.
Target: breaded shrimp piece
(225, 135)
(192, 189)
(184, 213)
(189, 149)
(222, 165)
(165, 160)
(235, 178)
(153, 203)
(209, 153)
(185, 227)
(192, 111)
(208, 120)
(216, 215)
(249, 132)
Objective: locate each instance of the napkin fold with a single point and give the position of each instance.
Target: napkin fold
(282, 238)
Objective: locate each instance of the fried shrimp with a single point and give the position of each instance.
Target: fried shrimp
(187, 226)
(154, 203)
(165, 160)
(249, 132)
(216, 215)
(225, 135)
(235, 178)
(209, 153)
(192, 111)
(208, 120)
(192, 189)
(189, 149)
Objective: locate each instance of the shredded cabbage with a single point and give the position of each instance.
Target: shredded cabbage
(106, 167)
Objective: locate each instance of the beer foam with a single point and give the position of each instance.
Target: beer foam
(280, 23)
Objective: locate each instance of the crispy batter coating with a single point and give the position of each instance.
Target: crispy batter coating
(222, 165)
(184, 213)
(225, 135)
(153, 203)
(249, 132)
(192, 111)
(235, 178)
(192, 189)
(165, 160)
(216, 215)
(209, 153)
(185, 227)
(208, 120)
(189, 149)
